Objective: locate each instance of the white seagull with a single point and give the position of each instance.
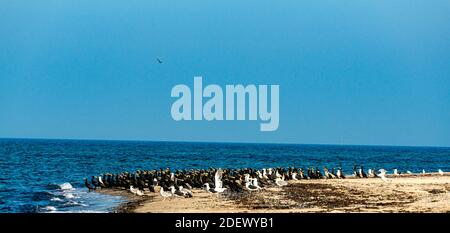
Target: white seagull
(265, 174)
(136, 191)
(280, 182)
(250, 187)
(370, 173)
(186, 192)
(165, 194)
(100, 180)
(396, 172)
(294, 176)
(209, 189)
(218, 182)
(247, 177)
(255, 183)
(176, 193)
(441, 172)
(258, 173)
(382, 175)
(339, 174)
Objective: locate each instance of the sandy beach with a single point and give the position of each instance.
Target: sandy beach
(404, 193)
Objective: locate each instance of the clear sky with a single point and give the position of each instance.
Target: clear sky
(350, 72)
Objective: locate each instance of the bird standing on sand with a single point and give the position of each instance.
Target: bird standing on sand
(361, 172)
(250, 187)
(100, 182)
(441, 172)
(371, 173)
(209, 189)
(186, 192)
(396, 172)
(328, 174)
(164, 194)
(280, 182)
(136, 191)
(175, 192)
(340, 174)
(294, 176)
(255, 183)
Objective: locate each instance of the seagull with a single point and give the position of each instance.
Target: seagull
(382, 175)
(280, 182)
(250, 187)
(396, 172)
(159, 60)
(258, 173)
(371, 173)
(423, 171)
(247, 178)
(409, 172)
(361, 172)
(441, 172)
(101, 181)
(152, 186)
(339, 173)
(302, 174)
(255, 183)
(265, 174)
(328, 174)
(176, 193)
(165, 194)
(136, 191)
(294, 176)
(277, 174)
(186, 192)
(218, 185)
(209, 189)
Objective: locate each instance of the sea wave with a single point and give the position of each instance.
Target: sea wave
(65, 198)
(66, 186)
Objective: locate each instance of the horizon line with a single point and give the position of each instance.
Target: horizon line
(218, 142)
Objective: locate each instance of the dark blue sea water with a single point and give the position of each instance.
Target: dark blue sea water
(46, 175)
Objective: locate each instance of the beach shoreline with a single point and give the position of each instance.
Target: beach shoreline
(404, 193)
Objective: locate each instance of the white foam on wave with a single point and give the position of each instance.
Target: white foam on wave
(68, 195)
(74, 203)
(56, 199)
(68, 199)
(82, 211)
(66, 186)
(49, 208)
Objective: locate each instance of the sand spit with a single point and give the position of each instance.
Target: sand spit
(406, 193)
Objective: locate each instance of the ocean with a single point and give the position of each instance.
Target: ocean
(38, 175)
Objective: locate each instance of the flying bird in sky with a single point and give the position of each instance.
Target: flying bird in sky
(159, 60)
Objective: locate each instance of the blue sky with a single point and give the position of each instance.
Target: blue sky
(350, 72)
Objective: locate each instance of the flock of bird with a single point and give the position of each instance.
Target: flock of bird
(179, 183)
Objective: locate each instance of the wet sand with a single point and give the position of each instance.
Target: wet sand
(406, 193)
